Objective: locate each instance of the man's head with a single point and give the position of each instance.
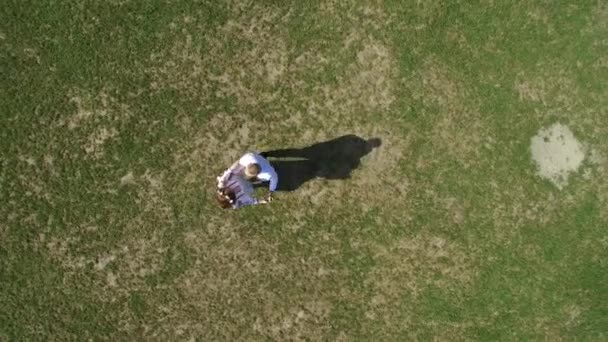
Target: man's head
(252, 171)
(374, 142)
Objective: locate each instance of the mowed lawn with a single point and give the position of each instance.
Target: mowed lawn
(116, 117)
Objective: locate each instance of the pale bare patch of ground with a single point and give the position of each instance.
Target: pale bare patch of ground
(557, 153)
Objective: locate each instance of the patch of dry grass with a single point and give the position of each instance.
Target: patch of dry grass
(406, 269)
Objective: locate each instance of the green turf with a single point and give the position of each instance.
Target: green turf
(116, 116)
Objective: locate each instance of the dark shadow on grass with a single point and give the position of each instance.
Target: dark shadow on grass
(332, 159)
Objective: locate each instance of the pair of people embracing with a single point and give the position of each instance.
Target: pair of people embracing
(235, 185)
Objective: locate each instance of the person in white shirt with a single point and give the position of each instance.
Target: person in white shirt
(255, 169)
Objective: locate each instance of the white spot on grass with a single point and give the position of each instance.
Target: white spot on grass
(28, 160)
(102, 262)
(48, 160)
(111, 279)
(127, 179)
(82, 114)
(557, 154)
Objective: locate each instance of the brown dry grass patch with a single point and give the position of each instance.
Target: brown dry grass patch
(408, 267)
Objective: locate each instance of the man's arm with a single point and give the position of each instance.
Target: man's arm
(245, 202)
(273, 183)
(271, 178)
(274, 179)
(221, 180)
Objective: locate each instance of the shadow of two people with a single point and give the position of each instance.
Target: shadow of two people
(332, 159)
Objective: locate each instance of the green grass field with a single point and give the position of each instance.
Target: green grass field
(116, 116)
